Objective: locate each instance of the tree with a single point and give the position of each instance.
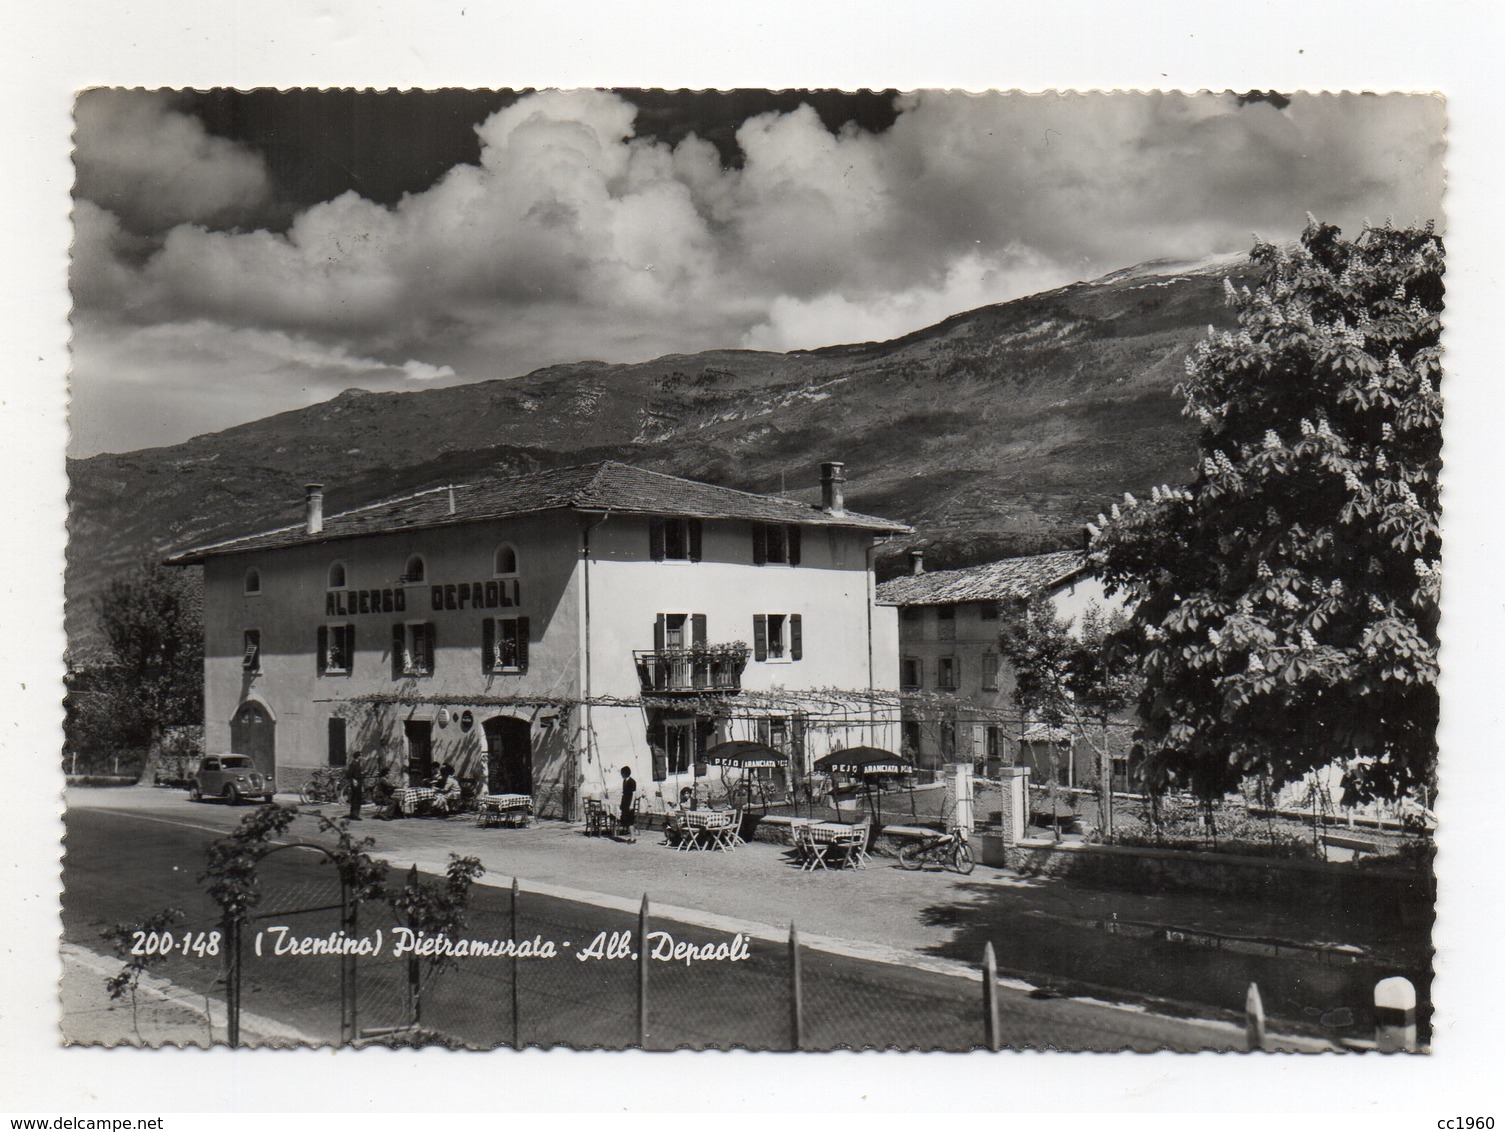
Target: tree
(1287, 600)
(1074, 681)
(152, 674)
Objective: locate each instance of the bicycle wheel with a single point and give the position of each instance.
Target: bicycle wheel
(961, 858)
(308, 794)
(912, 856)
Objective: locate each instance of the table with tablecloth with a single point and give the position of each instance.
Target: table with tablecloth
(709, 829)
(414, 799)
(504, 809)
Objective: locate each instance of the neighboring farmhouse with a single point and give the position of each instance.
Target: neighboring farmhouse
(949, 623)
(542, 631)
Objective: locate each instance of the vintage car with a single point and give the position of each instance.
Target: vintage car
(231, 777)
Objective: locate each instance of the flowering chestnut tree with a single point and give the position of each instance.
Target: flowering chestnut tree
(1286, 602)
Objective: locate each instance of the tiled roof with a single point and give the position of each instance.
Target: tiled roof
(992, 581)
(607, 486)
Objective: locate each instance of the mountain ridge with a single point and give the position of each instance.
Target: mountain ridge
(994, 431)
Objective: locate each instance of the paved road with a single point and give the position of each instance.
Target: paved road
(125, 864)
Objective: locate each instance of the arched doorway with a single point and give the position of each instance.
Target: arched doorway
(253, 733)
(509, 755)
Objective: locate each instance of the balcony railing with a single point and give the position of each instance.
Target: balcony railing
(708, 668)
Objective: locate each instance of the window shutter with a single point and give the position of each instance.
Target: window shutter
(522, 644)
(697, 628)
(794, 546)
(760, 544)
(323, 653)
(488, 644)
(797, 740)
(658, 633)
(399, 650)
(703, 729)
(336, 741)
(765, 731)
(796, 636)
(760, 636)
(350, 649)
(656, 539)
(428, 646)
(660, 763)
(695, 537)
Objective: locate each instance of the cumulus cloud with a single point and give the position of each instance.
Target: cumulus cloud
(573, 237)
(153, 166)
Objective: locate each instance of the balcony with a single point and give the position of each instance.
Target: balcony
(702, 668)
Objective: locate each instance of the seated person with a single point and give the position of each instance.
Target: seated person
(383, 795)
(674, 819)
(448, 786)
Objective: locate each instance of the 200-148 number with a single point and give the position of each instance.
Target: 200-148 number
(165, 943)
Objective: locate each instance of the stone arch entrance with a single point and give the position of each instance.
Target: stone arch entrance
(509, 755)
(253, 732)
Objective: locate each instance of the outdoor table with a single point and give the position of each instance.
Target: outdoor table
(823, 836)
(705, 829)
(410, 798)
(512, 809)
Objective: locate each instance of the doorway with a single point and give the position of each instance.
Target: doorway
(420, 736)
(509, 755)
(253, 733)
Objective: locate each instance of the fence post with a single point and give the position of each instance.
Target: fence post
(516, 1018)
(1254, 1018)
(350, 921)
(796, 991)
(990, 998)
(1395, 1015)
(415, 1003)
(643, 974)
(232, 980)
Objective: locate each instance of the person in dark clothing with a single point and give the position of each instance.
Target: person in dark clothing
(629, 796)
(355, 774)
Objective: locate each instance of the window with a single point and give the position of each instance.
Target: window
(674, 540)
(778, 636)
(336, 649)
(504, 564)
(415, 570)
(948, 739)
(990, 671)
(253, 581)
(336, 576)
(909, 672)
(911, 730)
(988, 611)
(679, 744)
(945, 618)
(994, 743)
(250, 657)
(946, 672)
(910, 612)
(336, 741)
(776, 542)
(504, 644)
(412, 650)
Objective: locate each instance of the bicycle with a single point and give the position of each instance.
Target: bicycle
(325, 785)
(949, 850)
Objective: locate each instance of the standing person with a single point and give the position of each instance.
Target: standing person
(629, 796)
(355, 775)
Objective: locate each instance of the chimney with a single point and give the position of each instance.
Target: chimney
(313, 498)
(917, 562)
(451, 499)
(831, 479)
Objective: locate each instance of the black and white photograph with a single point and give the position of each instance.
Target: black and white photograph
(623, 568)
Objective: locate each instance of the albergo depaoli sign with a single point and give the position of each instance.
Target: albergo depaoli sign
(497, 594)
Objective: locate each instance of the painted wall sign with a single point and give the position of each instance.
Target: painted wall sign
(503, 592)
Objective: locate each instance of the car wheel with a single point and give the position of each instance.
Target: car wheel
(232, 795)
(194, 795)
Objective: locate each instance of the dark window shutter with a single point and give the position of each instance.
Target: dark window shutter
(794, 546)
(695, 537)
(660, 762)
(488, 644)
(760, 636)
(797, 739)
(658, 633)
(765, 731)
(697, 628)
(336, 741)
(522, 644)
(323, 657)
(428, 646)
(399, 650)
(656, 539)
(760, 544)
(350, 649)
(796, 636)
(703, 728)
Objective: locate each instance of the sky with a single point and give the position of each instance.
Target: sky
(241, 254)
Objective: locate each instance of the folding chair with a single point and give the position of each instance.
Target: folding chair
(729, 836)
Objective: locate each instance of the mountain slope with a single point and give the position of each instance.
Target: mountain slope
(995, 431)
